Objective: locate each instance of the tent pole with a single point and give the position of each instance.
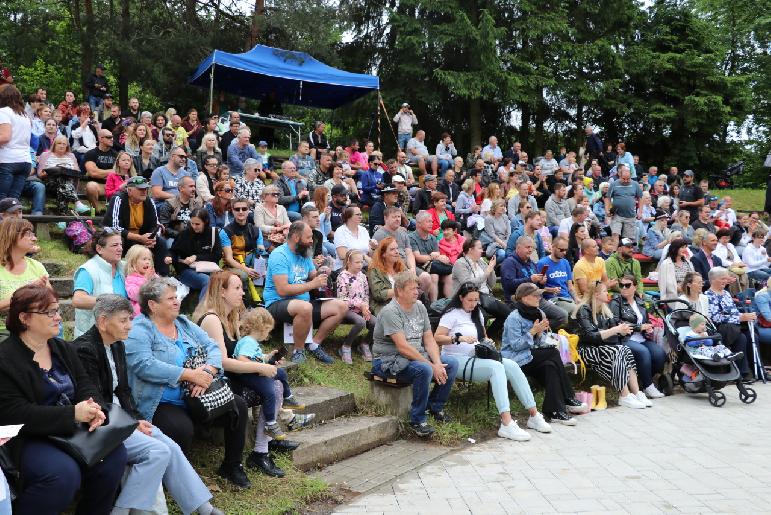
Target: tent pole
(211, 89)
(379, 103)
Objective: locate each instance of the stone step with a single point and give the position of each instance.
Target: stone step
(54, 268)
(327, 403)
(342, 438)
(67, 310)
(62, 286)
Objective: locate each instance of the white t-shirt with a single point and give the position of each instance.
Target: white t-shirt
(17, 149)
(459, 321)
(344, 238)
(637, 337)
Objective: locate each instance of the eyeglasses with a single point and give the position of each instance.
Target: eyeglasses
(227, 190)
(240, 209)
(106, 137)
(51, 313)
(183, 156)
(561, 249)
(274, 195)
(168, 135)
(626, 285)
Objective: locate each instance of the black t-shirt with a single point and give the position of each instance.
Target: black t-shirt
(103, 160)
(110, 123)
(691, 193)
(336, 216)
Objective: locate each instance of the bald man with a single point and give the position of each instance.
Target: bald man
(98, 162)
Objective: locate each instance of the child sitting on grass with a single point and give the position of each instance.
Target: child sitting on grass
(256, 325)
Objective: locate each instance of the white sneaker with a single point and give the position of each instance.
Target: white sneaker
(513, 432)
(80, 207)
(538, 423)
(643, 399)
(652, 392)
(630, 401)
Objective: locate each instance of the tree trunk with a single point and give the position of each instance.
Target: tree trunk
(475, 121)
(87, 37)
(254, 30)
(123, 57)
(540, 119)
(524, 129)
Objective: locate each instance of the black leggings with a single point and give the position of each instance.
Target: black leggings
(547, 369)
(496, 310)
(176, 423)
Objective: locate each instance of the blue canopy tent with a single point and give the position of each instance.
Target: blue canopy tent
(295, 77)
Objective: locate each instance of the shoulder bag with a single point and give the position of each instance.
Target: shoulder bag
(217, 400)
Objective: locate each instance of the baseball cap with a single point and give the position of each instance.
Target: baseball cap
(389, 189)
(688, 172)
(100, 66)
(627, 242)
(108, 95)
(138, 182)
(525, 289)
(262, 143)
(405, 104)
(429, 178)
(338, 189)
(660, 213)
(712, 198)
(397, 178)
(9, 205)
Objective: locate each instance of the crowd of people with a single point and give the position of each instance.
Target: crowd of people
(269, 246)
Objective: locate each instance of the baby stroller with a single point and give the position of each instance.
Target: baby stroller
(710, 375)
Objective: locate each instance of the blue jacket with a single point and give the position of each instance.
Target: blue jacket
(701, 265)
(762, 303)
(151, 360)
(512, 243)
(367, 183)
(652, 239)
(517, 340)
(515, 272)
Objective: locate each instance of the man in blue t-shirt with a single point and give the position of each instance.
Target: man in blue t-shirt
(165, 179)
(558, 288)
(290, 278)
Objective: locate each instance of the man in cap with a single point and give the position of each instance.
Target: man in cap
(264, 155)
(623, 262)
(99, 162)
(97, 88)
(138, 226)
(337, 205)
(405, 119)
(691, 195)
(390, 197)
(10, 208)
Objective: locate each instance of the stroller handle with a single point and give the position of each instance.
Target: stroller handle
(665, 302)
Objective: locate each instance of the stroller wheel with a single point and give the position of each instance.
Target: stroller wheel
(748, 396)
(717, 399)
(665, 384)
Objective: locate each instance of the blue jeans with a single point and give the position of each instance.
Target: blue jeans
(497, 374)
(761, 275)
(294, 216)
(35, 190)
(196, 281)
(649, 358)
(5, 504)
(420, 374)
(444, 165)
(263, 386)
(95, 103)
(12, 178)
(764, 334)
(403, 138)
(52, 478)
(154, 459)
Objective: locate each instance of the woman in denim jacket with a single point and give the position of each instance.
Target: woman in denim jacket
(158, 344)
(763, 309)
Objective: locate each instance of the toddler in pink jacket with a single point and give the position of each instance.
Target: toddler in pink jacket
(139, 269)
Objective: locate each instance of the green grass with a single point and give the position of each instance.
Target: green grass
(55, 250)
(745, 199)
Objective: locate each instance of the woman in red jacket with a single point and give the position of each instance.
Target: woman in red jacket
(439, 213)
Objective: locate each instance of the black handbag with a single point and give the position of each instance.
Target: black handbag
(217, 400)
(486, 350)
(89, 447)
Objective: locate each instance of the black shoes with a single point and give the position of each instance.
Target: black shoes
(283, 445)
(441, 416)
(422, 429)
(574, 403)
(263, 461)
(235, 474)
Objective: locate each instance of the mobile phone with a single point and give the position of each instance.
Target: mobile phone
(154, 233)
(278, 355)
(544, 269)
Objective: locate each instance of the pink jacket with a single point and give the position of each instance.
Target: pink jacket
(133, 283)
(353, 289)
(114, 183)
(452, 250)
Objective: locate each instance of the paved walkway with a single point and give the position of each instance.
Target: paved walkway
(681, 456)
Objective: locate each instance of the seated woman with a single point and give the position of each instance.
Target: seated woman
(461, 327)
(523, 343)
(726, 317)
(600, 345)
(732, 261)
(198, 243)
(219, 315)
(763, 303)
(691, 293)
(657, 236)
(674, 268)
(629, 307)
(44, 386)
(220, 211)
(576, 237)
(157, 348)
(153, 456)
(497, 231)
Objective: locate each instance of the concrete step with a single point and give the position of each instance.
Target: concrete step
(67, 310)
(62, 286)
(342, 438)
(326, 403)
(54, 268)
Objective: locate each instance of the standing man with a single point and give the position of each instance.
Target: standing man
(290, 278)
(404, 348)
(622, 197)
(691, 195)
(97, 88)
(593, 144)
(405, 119)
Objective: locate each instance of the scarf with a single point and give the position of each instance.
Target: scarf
(529, 313)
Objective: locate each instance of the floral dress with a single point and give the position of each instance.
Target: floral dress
(354, 289)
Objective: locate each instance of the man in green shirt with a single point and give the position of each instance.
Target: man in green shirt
(622, 262)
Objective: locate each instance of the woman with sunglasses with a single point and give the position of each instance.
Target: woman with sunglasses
(43, 385)
(650, 358)
(600, 345)
(220, 213)
(460, 329)
(271, 217)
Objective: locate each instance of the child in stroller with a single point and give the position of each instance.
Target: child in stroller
(700, 348)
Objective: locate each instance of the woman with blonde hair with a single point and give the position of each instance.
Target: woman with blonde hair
(600, 338)
(208, 148)
(465, 205)
(220, 315)
(122, 170)
(491, 193)
(271, 217)
(135, 136)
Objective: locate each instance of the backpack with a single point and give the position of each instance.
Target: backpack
(79, 235)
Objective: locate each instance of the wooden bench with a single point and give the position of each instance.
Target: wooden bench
(647, 264)
(41, 223)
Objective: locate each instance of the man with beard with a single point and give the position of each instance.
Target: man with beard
(338, 204)
(291, 276)
(622, 262)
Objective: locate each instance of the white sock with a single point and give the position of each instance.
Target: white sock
(313, 346)
(205, 509)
